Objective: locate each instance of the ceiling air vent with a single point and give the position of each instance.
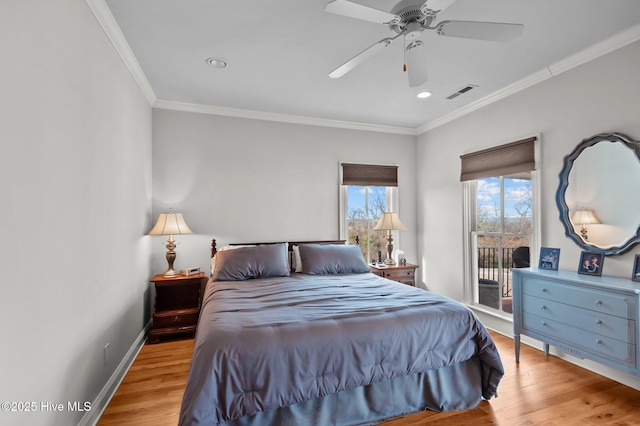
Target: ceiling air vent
(465, 89)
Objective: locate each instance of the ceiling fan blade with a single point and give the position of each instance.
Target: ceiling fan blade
(491, 31)
(435, 6)
(359, 11)
(361, 57)
(416, 63)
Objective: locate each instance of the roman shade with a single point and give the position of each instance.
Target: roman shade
(504, 160)
(369, 175)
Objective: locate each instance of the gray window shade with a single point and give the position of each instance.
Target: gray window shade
(503, 160)
(369, 175)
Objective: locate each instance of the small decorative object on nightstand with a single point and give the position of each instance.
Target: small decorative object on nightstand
(403, 273)
(176, 306)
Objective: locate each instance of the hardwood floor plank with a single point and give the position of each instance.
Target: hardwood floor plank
(540, 390)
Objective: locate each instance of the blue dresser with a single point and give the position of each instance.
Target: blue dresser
(585, 316)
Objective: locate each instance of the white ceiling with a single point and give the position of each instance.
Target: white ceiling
(280, 52)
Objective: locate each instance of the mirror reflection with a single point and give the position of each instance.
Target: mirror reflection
(598, 198)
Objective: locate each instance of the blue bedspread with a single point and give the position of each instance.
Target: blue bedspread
(267, 343)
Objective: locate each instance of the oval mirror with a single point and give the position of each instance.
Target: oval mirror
(597, 197)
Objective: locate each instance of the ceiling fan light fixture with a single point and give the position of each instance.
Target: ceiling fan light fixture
(424, 95)
(217, 63)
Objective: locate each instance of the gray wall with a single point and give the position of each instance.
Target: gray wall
(75, 205)
(245, 180)
(600, 96)
(77, 179)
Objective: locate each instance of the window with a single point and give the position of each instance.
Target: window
(503, 228)
(366, 192)
(500, 220)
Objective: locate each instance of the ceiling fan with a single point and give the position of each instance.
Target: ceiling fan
(409, 18)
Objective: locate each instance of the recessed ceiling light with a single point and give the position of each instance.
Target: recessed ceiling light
(423, 95)
(217, 62)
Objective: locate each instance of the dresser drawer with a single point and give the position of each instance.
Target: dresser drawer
(574, 340)
(607, 303)
(595, 322)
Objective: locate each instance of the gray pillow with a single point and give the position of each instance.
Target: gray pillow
(262, 261)
(324, 259)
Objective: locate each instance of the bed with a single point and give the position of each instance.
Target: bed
(303, 333)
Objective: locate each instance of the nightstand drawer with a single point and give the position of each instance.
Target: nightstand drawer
(397, 274)
(595, 322)
(405, 274)
(175, 319)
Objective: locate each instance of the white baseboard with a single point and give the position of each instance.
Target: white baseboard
(104, 397)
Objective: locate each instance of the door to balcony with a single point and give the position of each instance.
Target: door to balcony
(497, 255)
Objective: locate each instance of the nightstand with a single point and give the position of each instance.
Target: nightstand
(176, 306)
(405, 274)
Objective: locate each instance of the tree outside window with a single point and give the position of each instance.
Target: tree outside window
(365, 204)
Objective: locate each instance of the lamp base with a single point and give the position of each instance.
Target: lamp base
(583, 233)
(169, 273)
(171, 257)
(389, 260)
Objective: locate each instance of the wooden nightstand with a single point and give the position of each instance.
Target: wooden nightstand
(405, 274)
(176, 306)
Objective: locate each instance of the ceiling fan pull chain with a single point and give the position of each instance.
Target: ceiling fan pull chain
(404, 68)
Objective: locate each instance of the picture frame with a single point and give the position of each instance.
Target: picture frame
(635, 274)
(549, 258)
(591, 263)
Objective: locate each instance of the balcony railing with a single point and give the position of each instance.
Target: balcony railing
(488, 262)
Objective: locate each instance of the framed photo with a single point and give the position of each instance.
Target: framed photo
(591, 263)
(549, 258)
(636, 269)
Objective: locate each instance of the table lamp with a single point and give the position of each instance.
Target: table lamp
(389, 222)
(170, 224)
(584, 218)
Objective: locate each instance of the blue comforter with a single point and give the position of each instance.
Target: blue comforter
(268, 343)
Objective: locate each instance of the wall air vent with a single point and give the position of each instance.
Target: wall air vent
(465, 89)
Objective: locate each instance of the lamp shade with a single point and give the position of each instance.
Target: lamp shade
(584, 217)
(170, 224)
(389, 222)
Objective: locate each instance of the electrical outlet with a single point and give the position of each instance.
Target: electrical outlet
(106, 354)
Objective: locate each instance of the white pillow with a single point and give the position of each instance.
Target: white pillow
(223, 248)
(296, 258)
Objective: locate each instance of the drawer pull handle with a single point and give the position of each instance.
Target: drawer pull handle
(599, 303)
(598, 342)
(544, 289)
(176, 319)
(543, 307)
(544, 324)
(599, 322)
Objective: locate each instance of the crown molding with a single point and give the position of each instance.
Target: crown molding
(105, 18)
(593, 52)
(283, 118)
(107, 21)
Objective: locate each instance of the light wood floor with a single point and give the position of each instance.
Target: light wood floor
(540, 390)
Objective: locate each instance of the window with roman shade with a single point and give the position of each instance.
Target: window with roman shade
(366, 191)
(501, 218)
